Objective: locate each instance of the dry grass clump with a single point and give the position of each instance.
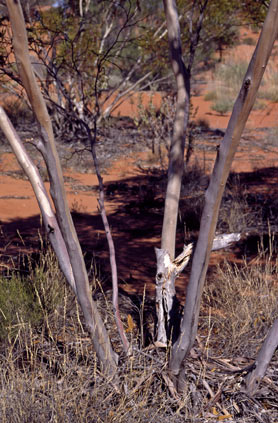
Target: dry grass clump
(28, 293)
(239, 210)
(228, 80)
(241, 303)
(49, 370)
(268, 89)
(58, 380)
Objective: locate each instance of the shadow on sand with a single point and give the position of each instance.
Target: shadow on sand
(136, 227)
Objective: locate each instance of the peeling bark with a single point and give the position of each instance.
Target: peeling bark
(167, 272)
(166, 300)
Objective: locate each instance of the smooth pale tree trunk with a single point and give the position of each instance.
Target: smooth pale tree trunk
(266, 352)
(213, 196)
(167, 272)
(165, 282)
(49, 218)
(176, 159)
(46, 146)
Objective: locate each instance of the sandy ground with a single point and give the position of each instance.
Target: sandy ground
(136, 226)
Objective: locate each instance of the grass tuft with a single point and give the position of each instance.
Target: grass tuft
(49, 370)
(242, 300)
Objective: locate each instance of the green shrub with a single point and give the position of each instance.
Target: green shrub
(28, 300)
(222, 105)
(18, 305)
(249, 41)
(211, 96)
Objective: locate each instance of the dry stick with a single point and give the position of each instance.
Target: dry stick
(49, 218)
(213, 196)
(111, 246)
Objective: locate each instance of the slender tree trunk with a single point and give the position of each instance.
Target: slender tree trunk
(176, 159)
(213, 196)
(165, 283)
(263, 359)
(47, 147)
(111, 246)
(166, 274)
(49, 218)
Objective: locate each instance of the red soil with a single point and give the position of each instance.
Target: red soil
(134, 240)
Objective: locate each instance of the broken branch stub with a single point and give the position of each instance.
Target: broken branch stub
(166, 302)
(166, 274)
(225, 240)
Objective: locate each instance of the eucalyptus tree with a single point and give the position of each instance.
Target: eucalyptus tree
(60, 228)
(213, 195)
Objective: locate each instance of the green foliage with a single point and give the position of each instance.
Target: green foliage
(111, 47)
(220, 27)
(249, 41)
(18, 305)
(254, 12)
(28, 300)
(210, 96)
(222, 105)
(269, 88)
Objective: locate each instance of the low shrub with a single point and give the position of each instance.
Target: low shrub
(210, 96)
(28, 297)
(249, 41)
(222, 105)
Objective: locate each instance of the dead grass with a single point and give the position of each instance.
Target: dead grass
(49, 370)
(242, 302)
(228, 80)
(239, 210)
